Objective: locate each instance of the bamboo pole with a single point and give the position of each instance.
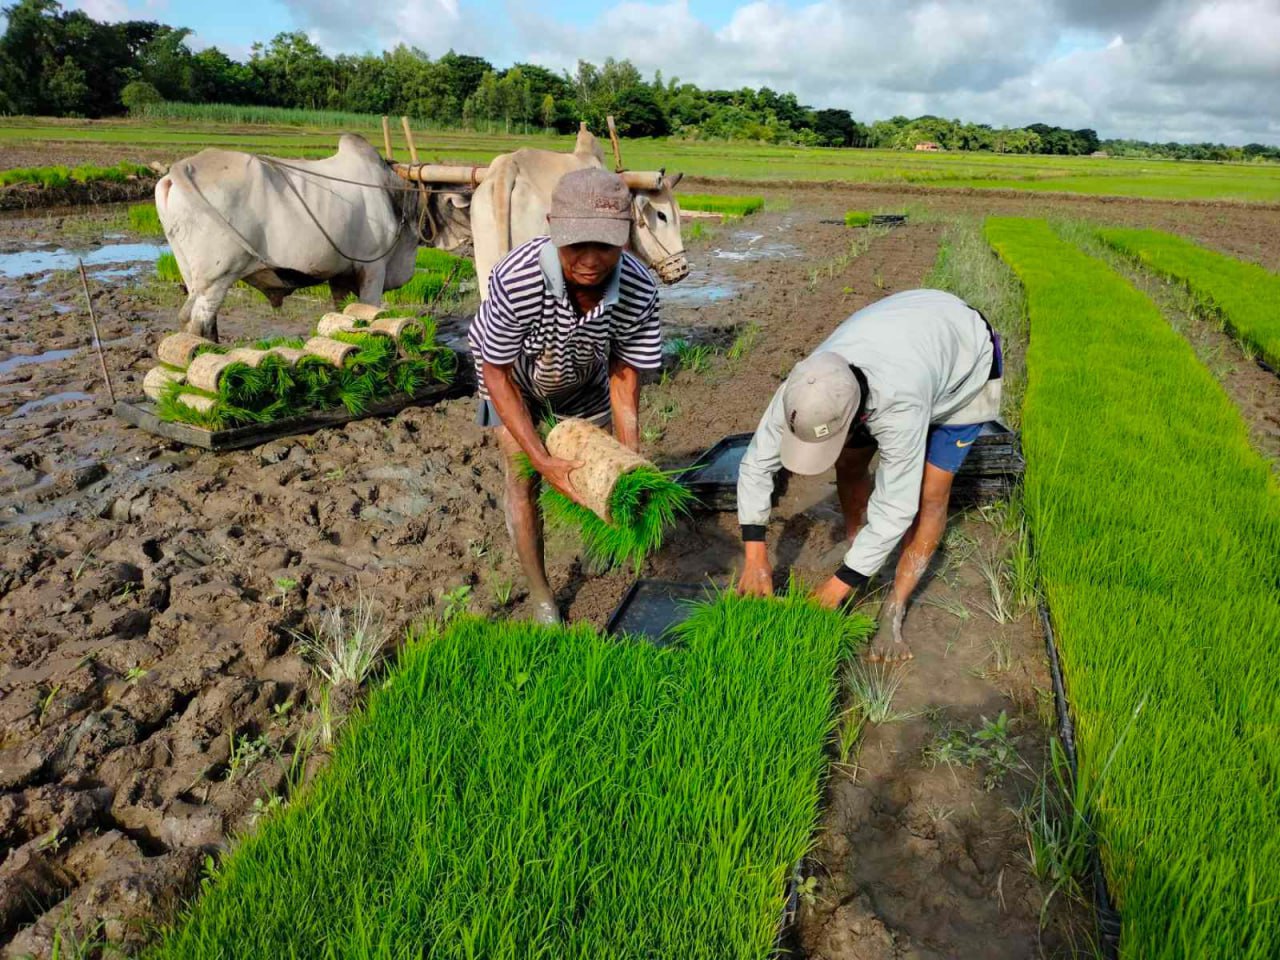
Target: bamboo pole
(442, 173)
(617, 147)
(386, 137)
(408, 138)
(97, 340)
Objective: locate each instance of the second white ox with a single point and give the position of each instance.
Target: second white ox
(510, 207)
(281, 225)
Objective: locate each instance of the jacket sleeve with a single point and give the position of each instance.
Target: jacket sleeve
(896, 497)
(760, 464)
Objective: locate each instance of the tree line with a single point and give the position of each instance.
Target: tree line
(56, 62)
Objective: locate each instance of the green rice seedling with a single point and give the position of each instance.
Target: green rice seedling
(1241, 295)
(516, 791)
(444, 263)
(125, 170)
(695, 358)
(47, 177)
(857, 218)
(644, 505)
(1161, 584)
(167, 269)
(423, 287)
(717, 203)
(745, 341)
(144, 219)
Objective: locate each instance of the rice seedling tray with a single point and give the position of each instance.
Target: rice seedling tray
(142, 413)
(713, 477)
(994, 465)
(650, 608)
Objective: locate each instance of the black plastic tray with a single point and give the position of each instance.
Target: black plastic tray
(650, 608)
(713, 477)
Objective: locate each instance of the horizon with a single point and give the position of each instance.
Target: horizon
(1162, 71)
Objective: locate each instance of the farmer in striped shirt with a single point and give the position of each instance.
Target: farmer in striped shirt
(569, 322)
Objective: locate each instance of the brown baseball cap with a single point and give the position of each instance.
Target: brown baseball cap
(590, 206)
(819, 401)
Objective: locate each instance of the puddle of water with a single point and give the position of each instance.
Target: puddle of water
(49, 356)
(25, 263)
(697, 289)
(746, 245)
(67, 396)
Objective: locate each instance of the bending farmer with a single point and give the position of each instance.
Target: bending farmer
(568, 323)
(914, 376)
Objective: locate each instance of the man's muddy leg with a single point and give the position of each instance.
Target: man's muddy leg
(524, 524)
(853, 486)
(918, 548)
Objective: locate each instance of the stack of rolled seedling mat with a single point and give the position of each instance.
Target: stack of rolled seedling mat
(629, 503)
(355, 358)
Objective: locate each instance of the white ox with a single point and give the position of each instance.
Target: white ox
(510, 207)
(281, 225)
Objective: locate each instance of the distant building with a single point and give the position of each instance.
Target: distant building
(927, 145)
(1100, 153)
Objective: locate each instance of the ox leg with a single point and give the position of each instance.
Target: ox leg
(204, 303)
(342, 287)
(373, 279)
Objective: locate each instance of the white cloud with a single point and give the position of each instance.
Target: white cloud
(1153, 69)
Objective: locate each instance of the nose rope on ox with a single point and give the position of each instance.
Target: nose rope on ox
(680, 260)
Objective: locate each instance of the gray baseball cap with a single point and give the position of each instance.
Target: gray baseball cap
(590, 206)
(819, 401)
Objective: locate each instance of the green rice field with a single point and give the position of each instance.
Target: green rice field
(314, 134)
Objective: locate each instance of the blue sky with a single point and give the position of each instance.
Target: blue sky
(1154, 69)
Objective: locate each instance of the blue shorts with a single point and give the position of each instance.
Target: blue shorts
(948, 444)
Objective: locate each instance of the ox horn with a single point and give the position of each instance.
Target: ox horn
(642, 179)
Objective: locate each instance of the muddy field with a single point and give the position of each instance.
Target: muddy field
(152, 697)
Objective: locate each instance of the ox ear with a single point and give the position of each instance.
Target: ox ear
(674, 180)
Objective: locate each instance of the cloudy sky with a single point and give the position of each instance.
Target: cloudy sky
(1185, 70)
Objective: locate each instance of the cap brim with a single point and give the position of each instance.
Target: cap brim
(569, 230)
(810, 459)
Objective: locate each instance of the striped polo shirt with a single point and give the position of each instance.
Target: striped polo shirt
(557, 356)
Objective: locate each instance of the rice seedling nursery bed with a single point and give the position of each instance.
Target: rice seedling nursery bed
(1244, 295)
(1157, 529)
(522, 791)
(720, 203)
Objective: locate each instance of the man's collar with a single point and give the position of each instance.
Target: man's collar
(553, 273)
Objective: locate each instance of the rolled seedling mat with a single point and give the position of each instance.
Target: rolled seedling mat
(178, 349)
(332, 323)
(290, 355)
(247, 356)
(603, 460)
(198, 402)
(334, 352)
(362, 311)
(207, 370)
(157, 380)
(395, 326)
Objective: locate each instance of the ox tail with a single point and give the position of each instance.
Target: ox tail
(502, 192)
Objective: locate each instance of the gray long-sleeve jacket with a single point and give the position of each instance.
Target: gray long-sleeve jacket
(927, 358)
